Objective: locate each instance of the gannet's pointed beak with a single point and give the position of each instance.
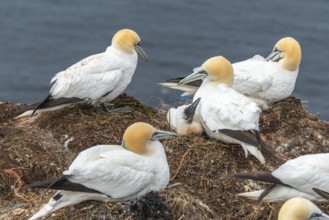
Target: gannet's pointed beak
(275, 56)
(322, 217)
(190, 111)
(200, 74)
(318, 216)
(141, 52)
(157, 135)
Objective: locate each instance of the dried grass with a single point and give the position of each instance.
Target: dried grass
(43, 147)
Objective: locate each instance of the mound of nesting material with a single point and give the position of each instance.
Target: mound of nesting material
(44, 146)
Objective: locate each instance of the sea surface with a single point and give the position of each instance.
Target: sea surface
(39, 38)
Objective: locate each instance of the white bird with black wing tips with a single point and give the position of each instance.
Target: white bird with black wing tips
(225, 114)
(112, 172)
(300, 177)
(266, 80)
(183, 121)
(98, 78)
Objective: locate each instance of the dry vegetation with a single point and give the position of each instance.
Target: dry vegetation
(43, 146)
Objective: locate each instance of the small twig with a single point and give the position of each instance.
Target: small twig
(180, 166)
(15, 175)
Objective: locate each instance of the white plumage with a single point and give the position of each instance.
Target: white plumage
(98, 78)
(265, 80)
(225, 108)
(299, 175)
(127, 178)
(108, 72)
(222, 108)
(101, 77)
(112, 172)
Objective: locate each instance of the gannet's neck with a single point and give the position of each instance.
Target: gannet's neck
(154, 149)
(119, 52)
(207, 88)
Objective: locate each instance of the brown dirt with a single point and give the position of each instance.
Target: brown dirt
(42, 147)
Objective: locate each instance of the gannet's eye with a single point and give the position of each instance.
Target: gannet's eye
(139, 43)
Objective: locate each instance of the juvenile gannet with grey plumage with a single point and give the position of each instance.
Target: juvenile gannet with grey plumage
(265, 80)
(98, 78)
(294, 178)
(300, 209)
(225, 114)
(183, 121)
(112, 172)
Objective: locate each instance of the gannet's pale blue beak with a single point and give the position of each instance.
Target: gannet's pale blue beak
(275, 56)
(141, 52)
(200, 74)
(157, 135)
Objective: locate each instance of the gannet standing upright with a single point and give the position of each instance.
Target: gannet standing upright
(265, 80)
(225, 114)
(300, 209)
(112, 172)
(183, 121)
(294, 178)
(98, 78)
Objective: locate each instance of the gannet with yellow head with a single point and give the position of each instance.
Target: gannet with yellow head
(299, 177)
(272, 79)
(266, 80)
(112, 172)
(225, 114)
(98, 78)
(300, 209)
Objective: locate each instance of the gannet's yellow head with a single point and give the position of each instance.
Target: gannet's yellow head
(216, 68)
(137, 136)
(288, 53)
(128, 40)
(300, 209)
(219, 69)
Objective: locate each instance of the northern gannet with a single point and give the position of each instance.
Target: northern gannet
(266, 80)
(225, 114)
(112, 172)
(294, 178)
(300, 209)
(98, 78)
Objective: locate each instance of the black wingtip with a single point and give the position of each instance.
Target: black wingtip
(40, 184)
(41, 105)
(262, 176)
(262, 146)
(239, 176)
(264, 193)
(61, 183)
(322, 193)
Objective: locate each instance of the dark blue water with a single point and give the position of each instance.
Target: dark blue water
(40, 38)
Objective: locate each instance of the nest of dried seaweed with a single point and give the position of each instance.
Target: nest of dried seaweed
(42, 147)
